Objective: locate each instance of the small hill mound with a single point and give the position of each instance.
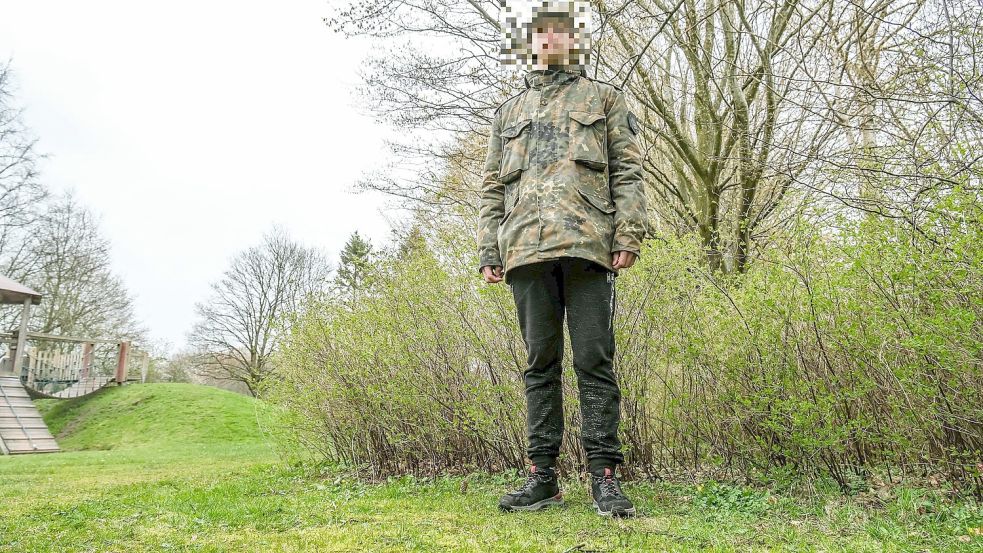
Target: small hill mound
(145, 415)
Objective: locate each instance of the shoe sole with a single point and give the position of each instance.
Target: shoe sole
(625, 513)
(541, 504)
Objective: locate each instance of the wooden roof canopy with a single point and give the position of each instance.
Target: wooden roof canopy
(15, 292)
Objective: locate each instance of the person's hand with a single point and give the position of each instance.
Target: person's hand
(623, 259)
(492, 273)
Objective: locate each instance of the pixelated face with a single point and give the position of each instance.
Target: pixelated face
(553, 38)
(541, 33)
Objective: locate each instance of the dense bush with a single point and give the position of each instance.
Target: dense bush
(847, 348)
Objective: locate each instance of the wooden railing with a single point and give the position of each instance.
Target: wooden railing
(67, 366)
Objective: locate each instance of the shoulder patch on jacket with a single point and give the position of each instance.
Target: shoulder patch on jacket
(633, 123)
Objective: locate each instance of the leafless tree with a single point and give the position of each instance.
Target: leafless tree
(904, 83)
(54, 245)
(20, 191)
(438, 80)
(749, 107)
(82, 295)
(241, 324)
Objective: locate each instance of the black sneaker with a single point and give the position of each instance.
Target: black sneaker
(540, 490)
(609, 500)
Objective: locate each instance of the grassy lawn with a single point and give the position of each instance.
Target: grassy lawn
(177, 467)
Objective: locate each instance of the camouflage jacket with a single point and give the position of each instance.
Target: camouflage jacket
(562, 176)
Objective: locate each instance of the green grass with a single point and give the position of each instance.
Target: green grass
(176, 467)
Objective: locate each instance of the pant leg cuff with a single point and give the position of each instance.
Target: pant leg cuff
(543, 460)
(597, 464)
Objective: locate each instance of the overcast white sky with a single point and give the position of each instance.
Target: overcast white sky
(191, 127)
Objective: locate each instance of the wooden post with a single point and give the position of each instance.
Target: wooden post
(124, 348)
(87, 351)
(143, 367)
(21, 346)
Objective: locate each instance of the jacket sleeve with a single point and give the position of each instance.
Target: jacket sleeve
(625, 178)
(492, 205)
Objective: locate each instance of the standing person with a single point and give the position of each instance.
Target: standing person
(562, 211)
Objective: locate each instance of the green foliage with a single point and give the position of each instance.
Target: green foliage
(842, 351)
(412, 376)
(715, 497)
(136, 416)
(356, 263)
(217, 488)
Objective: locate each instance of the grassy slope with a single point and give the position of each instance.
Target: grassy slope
(137, 416)
(133, 434)
(163, 467)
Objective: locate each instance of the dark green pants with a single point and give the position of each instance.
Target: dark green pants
(584, 291)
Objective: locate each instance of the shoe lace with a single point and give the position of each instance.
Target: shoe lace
(531, 481)
(609, 487)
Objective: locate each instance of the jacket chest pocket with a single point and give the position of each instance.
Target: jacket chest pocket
(588, 139)
(515, 140)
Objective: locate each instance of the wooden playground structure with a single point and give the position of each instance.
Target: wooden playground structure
(36, 365)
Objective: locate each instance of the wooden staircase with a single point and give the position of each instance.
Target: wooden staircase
(22, 430)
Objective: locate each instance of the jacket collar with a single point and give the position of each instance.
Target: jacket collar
(540, 77)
